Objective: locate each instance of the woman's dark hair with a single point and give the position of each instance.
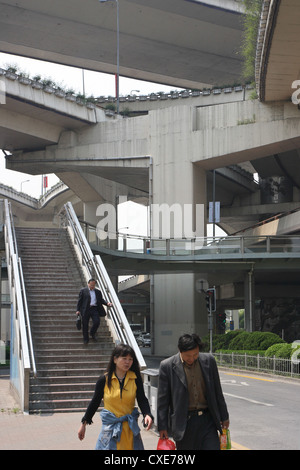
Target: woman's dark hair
(122, 350)
(187, 342)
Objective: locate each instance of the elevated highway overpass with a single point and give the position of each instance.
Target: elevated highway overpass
(277, 60)
(223, 131)
(205, 52)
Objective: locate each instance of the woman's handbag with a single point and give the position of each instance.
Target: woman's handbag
(165, 444)
(78, 322)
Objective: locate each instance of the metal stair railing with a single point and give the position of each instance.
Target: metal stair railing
(22, 360)
(96, 269)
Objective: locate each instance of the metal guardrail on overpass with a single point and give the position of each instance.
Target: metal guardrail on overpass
(202, 248)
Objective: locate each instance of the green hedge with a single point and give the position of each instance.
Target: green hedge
(279, 350)
(257, 340)
(283, 351)
(240, 340)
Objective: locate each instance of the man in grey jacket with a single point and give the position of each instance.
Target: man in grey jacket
(190, 401)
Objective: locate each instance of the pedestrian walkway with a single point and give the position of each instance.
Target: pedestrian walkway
(56, 431)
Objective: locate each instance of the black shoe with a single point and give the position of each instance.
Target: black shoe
(85, 342)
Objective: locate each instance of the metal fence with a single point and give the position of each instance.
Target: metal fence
(259, 363)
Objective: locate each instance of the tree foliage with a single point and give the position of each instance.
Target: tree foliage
(251, 24)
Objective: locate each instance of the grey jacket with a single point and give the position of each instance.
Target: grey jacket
(172, 398)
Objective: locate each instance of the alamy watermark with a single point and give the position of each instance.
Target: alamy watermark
(2, 353)
(295, 357)
(2, 92)
(176, 221)
(296, 93)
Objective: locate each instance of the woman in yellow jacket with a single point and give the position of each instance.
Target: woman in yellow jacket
(119, 388)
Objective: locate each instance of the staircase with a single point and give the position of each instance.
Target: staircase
(66, 369)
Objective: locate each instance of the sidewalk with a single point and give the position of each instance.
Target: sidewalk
(48, 432)
(53, 431)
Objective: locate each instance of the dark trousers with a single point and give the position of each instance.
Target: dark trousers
(90, 313)
(200, 434)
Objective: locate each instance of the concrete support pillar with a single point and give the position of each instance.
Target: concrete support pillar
(249, 299)
(178, 184)
(178, 309)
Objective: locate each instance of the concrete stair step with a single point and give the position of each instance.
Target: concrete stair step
(64, 329)
(50, 375)
(47, 314)
(62, 380)
(65, 343)
(50, 388)
(58, 325)
(62, 395)
(94, 348)
(53, 322)
(69, 286)
(51, 365)
(60, 406)
(70, 361)
(73, 344)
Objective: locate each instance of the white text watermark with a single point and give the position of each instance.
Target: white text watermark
(176, 221)
(295, 357)
(2, 92)
(2, 353)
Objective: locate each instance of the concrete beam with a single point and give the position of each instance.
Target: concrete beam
(238, 132)
(210, 137)
(31, 118)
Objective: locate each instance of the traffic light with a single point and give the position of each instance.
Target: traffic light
(211, 299)
(221, 322)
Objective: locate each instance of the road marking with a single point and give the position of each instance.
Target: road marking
(233, 382)
(236, 446)
(248, 399)
(250, 377)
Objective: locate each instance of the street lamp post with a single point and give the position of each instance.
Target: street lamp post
(118, 52)
(22, 182)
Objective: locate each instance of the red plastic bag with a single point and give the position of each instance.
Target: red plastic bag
(165, 444)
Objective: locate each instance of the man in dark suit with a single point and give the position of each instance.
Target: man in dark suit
(190, 401)
(89, 306)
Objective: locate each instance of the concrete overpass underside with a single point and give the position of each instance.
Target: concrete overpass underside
(205, 52)
(277, 62)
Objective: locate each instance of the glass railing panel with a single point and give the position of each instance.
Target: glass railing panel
(134, 245)
(284, 244)
(158, 248)
(180, 247)
(92, 235)
(255, 244)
